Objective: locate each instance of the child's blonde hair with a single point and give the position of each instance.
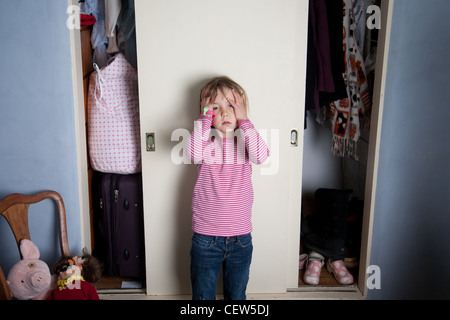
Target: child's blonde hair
(217, 84)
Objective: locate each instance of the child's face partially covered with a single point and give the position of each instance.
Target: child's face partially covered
(225, 120)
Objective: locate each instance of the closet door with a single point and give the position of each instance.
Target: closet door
(261, 44)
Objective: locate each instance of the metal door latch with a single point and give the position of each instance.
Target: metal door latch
(150, 141)
(294, 138)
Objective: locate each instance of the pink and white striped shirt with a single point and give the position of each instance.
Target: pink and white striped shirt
(223, 195)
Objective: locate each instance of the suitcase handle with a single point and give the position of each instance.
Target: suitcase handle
(126, 254)
(126, 204)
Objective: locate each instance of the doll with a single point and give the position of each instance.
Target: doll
(75, 276)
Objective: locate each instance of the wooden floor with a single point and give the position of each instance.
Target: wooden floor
(110, 282)
(326, 279)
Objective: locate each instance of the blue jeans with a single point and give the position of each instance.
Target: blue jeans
(208, 254)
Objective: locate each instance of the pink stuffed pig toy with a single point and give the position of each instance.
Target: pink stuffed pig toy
(30, 278)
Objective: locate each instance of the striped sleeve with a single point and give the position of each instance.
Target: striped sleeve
(199, 138)
(256, 147)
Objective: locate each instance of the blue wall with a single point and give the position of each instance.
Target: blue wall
(37, 132)
(411, 241)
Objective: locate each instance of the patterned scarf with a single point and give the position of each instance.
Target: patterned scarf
(346, 113)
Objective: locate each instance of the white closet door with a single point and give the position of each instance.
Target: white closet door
(261, 44)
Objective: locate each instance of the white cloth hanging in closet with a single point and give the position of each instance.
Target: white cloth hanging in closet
(112, 11)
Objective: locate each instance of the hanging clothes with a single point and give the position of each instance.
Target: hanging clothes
(126, 32)
(112, 12)
(335, 26)
(99, 40)
(360, 12)
(319, 67)
(325, 63)
(346, 113)
(311, 69)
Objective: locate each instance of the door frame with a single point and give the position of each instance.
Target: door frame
(80, 131)
(384, 36)
(294, 227)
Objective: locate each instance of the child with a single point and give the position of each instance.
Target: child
(223, 194)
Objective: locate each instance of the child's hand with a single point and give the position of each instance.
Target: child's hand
(205, 102)
(240, 111)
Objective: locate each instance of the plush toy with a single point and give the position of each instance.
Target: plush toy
(30, 278)
(75, 276)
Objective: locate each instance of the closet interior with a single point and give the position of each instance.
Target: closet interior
(109, 65)
(341, 59)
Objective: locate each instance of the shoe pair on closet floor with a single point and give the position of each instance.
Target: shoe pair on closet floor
(315, 262)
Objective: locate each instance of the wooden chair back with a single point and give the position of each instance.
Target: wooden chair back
(5, 294)
(14, 208)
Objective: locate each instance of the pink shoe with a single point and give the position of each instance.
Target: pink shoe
(302, 260)
(340, 272)
(314, 268)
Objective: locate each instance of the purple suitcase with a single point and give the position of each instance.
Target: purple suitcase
(118, 223)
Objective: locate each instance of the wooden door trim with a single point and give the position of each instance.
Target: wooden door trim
(374, 142)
